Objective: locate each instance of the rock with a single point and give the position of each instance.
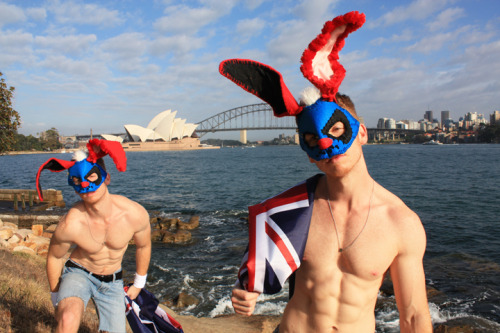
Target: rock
(168, 223)
(455, 329)
(182, 236)
(23, 233)
(11, 225)
(6, 233)
(194, 222)
(184, 300)
(37, 229)
(168, 237)
(156, 235)
(51, 228)
(24, 249)
(15, 239)
(4, 244)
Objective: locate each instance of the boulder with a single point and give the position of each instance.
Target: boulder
(182, 236)
(456, 329)
(24, 249)
(6, 233)
(194, 222)
(11, 225)
(168, 223)
(168, 237)
(37, 229)
(156, 235)
(51, 228)
(184, 300)
(23, 233)
(15, 239)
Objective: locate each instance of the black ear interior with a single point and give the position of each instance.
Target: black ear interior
(260, 80)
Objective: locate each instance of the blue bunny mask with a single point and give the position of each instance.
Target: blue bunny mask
(317, 119)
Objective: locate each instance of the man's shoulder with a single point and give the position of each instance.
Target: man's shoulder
(397, 211)
(131, 207)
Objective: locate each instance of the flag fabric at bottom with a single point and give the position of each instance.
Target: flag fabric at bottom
(144, 315)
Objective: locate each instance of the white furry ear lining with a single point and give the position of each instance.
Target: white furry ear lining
(79, 155)
(309, 96)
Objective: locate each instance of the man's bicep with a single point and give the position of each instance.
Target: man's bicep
(407, 272)
(142, 236)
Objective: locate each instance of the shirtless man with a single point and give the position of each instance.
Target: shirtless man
(340, 232)
(99, 227)
(349, 248)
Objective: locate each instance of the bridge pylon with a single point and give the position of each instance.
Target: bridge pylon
(243, 136)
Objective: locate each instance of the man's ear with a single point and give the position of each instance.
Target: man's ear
(363, 134)
(311, 159)
(107, 180)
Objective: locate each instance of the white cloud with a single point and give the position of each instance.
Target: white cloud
(248, 28)
(38, 14)
(417, 10)
(73, 12)
(187, 20)
(71, 45)
(444, 18)
(10, 14)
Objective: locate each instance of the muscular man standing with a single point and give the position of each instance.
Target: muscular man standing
(339, 231)
(358, 231)
(99, 227)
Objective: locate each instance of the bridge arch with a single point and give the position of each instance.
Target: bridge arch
(248, 117)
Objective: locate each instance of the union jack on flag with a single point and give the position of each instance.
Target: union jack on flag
(278, 229)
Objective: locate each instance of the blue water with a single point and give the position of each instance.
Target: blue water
(453, 188)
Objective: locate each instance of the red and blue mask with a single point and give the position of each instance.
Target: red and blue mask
(79, 173)
(317, 119)
(321, 67)
(83, 167)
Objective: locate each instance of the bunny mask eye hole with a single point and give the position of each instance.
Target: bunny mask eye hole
(311, 139)
(338, 127)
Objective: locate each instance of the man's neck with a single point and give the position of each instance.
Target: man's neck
(102, 208)
(350, 188)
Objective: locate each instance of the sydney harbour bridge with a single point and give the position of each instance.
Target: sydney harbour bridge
(260, 117)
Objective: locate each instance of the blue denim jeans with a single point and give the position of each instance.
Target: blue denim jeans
(109, 297)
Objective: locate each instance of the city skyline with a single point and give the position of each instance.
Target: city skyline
(80, 65)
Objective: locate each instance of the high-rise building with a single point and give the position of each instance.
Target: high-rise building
(429, 116)
(495, 118)
(445, 116)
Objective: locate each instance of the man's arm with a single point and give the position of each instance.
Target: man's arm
(58, 248)
(407, 273)
(142, 240)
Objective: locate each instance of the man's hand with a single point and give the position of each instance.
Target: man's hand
(244, 301)
(133, 292)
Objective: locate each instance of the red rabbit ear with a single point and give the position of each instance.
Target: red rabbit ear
(320, 60)
(262, 81)
(54, 165)
(100, 148)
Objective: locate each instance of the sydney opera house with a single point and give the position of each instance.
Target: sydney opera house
(164, 132)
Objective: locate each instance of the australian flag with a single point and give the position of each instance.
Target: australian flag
(145, 316)
(278, 230)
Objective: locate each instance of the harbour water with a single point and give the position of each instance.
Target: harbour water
(453, 188)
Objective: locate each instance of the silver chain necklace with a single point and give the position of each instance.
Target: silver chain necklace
(91, 235)
(335, 223)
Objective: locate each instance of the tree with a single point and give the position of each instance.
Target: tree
(9, 118)
(51, 139)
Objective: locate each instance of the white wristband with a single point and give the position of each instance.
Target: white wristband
(140, 280)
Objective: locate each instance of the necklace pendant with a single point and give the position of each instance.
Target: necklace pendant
(340, 250)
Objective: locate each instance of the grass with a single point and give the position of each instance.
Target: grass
(25, 304)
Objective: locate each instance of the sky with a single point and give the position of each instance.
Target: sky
(82, 65)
